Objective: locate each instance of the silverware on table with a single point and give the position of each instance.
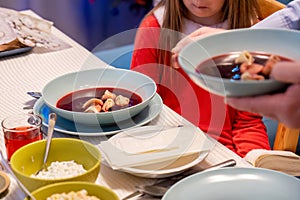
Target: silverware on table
(52, 121)
(159, 188)
(153, 190)
(29, 105)
(36, 95)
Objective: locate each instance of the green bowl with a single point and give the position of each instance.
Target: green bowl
(29, 159)
(93, 189)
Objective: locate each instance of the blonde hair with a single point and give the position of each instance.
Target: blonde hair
(238, 13)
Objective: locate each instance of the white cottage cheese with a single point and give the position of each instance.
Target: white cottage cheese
(82, 195)
(58, 170)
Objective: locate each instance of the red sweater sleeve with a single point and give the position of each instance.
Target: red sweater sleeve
(249, 133)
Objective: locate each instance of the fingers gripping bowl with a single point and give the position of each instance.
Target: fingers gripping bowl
(77, 96)
(261, 42)
(27, 160)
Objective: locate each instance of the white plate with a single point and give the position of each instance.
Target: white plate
(236, 184)
(69, 127)
(165, 168)
(169, 170)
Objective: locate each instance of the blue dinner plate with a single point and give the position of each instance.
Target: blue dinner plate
(260, 41)
(69, 127)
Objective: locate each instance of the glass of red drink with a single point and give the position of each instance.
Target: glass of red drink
(19, 130)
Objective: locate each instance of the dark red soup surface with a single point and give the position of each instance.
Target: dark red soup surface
(75, 100)
(224, 65)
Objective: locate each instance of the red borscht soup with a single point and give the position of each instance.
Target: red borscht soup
(230, 66)
(75, 101)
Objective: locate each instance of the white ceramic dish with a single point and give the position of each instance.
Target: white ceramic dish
(236, 184)
(253, 40)
(160, 169)
(128, 80)
(182, 164)
(68, 127)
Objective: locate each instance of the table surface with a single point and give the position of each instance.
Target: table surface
(32, 70)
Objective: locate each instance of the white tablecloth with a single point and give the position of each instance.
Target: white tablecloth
(31, 71)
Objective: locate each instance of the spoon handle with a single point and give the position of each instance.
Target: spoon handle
(36, 95)
(226, 163)
(52, 120)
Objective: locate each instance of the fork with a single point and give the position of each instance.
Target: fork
(167, 182)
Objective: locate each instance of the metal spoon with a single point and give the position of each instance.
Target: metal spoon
(153, 190)
(51, 122)
(36, 95)
(160, 188)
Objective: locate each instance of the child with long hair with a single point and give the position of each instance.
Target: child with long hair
(161, 29)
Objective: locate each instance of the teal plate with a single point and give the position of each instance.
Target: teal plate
(236, 184)
(69, 127)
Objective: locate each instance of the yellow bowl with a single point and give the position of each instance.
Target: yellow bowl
(93, 189)
(28, 160)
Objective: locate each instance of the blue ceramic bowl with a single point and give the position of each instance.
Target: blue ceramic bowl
(132, 81)
(280, 42)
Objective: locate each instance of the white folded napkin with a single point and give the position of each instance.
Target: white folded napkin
(137, 148)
